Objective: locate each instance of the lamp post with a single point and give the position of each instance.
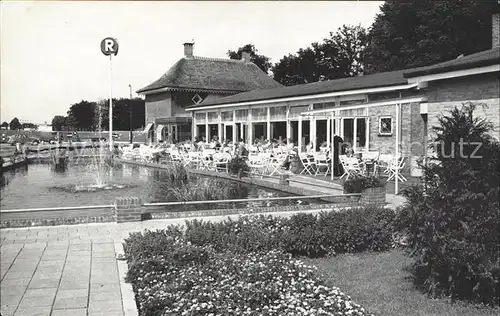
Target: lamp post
(130, 112)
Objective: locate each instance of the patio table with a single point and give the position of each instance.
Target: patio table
(369, 164)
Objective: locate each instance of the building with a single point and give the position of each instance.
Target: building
(190, 81)
(390, 112)
(45, 127)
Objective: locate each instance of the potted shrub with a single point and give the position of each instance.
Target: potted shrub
(371, 188)
(237, 166)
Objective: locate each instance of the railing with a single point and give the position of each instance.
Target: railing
(61, 208)
(280, 198)
(156, 204)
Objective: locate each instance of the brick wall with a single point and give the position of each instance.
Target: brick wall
(495, 38)
(491, 111)
(158, 105)
(410, 122)
(385, 143)
(478, 87)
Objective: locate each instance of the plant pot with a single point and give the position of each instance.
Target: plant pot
(295, 164)
(373, 196)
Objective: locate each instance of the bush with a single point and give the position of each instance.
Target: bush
(237, 165)
(359, 183)
(208, 189)
(238, 267)
(452, 222)
(182, 186)
(355, 230)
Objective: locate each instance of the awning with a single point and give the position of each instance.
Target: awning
(148, 127)
(159, 131)
(159, 128)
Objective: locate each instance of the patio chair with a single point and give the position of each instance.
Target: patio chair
(384, 161)
(206, 162)
(308, 163)
(220, 161)
(277, 162)
(396, 164)
(321, 160)
(175, 156)
(351, 166)
(256, 163)
(371, 158)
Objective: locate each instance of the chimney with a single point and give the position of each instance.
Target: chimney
(188, 49)
(495, 30)
(245, 56)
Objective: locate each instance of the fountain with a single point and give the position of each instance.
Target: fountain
(98, 166)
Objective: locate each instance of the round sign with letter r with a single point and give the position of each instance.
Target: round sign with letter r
(109, 46)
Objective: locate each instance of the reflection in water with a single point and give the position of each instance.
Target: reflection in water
(39, 185)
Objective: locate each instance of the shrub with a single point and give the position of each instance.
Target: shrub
(177, 174)
(355, 230)
(237, 165)
(206, 189)
(238, 267)
(358, 183)
(358, 229)
(182, 186)
(452, 222)
(305, 237)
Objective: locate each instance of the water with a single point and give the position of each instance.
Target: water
(42, 185)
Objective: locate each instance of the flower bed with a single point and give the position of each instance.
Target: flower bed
(246, 267)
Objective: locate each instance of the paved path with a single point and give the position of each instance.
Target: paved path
(63, 270)
(70, 270)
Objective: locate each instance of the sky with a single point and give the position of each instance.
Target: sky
(51, 57)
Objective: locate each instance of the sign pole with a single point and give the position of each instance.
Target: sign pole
(332, 145)
(110, 113)
(109, 47)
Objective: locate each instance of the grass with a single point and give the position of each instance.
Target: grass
(379, 283)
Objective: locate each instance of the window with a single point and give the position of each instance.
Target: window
(227, 116)
(325, 105)
(385, 125)
(259, 114)
(213, 117)
(200, 117)
(278, 113)
(241, 115)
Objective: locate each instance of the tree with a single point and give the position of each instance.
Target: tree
(350, 43)
(30, 126)
(87, 115)
(261, 61)
(81, 116)
(338, 56)
(15, 124)
(123, 108)
(58, 122)
(410, 34)
(5, 125)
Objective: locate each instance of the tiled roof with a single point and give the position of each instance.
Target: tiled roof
(484, 58)
(207, 74)
(382, 79)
